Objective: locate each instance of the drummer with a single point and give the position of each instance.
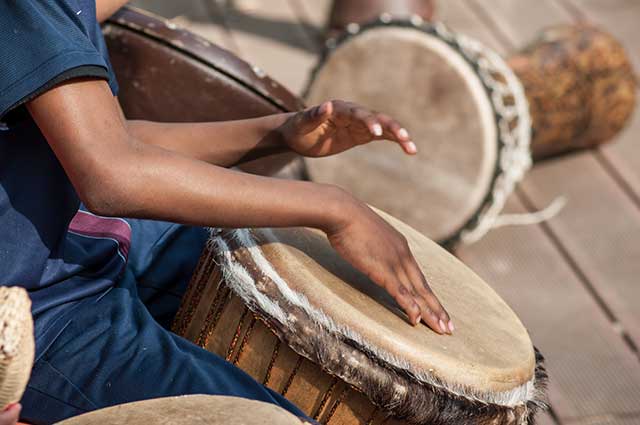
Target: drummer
(104, 289)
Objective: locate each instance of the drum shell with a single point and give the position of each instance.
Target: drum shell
(325, 376)
(213, 317)
(167, 74)
(580, 85)
(345, 12)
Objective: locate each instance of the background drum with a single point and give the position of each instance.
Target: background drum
(461, 103)
(356, 12)
(283, 306)
(189, 410)
(168, 74)
(17, 347)
(580, 85)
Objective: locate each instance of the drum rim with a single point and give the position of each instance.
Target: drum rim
(470, 231)
(238, 255)
(175, 37)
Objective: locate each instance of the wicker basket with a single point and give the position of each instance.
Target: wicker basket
(16, 344)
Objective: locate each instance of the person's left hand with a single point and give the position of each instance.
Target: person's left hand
(10, 415)
(336, 126)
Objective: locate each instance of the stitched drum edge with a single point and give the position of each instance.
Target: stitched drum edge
(513, 157)
(17, 346)
(175, 36)
(393, 384)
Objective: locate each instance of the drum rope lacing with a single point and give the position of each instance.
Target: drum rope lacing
(513, 122)
(514, 127)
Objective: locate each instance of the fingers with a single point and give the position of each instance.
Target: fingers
(395, 132)
(401, 294)
(10, 415)
(440, 317)
(379, 126)
(312, 117)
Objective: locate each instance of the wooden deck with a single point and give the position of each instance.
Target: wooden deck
(575, 280)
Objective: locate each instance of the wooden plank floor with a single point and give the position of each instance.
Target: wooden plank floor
(575, 280)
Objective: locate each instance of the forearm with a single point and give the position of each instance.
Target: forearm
(152, 183)
(106, 8)
(225, 143)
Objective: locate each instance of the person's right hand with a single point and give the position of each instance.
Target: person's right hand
(10, 415)
(374, 247)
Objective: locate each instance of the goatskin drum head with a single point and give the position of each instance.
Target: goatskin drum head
(489, 353)
(434, 92)
(189, 410)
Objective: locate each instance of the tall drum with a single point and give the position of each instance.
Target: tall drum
(581, 88)
(464, 108)
(282, 305)
(169, 74)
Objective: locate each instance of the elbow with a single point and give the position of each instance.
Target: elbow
(108, 193)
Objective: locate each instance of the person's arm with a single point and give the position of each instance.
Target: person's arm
(117, 175)
(322, 130)
(106, 8)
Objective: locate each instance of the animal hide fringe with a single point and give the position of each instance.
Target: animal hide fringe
(414, 396)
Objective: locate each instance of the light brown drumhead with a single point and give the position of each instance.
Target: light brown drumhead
(17, 346)
(431, 90)
(189, 410)
(490, 352)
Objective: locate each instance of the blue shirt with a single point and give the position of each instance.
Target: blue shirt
(60, 254)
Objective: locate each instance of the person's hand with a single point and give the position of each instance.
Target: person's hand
(336, 126)
(10, 415)
(374, 247)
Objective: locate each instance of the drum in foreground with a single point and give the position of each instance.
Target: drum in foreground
(581, 88)
(189, 410)
(282, 305)
(464, 108)
(169, 74)
(16, 344)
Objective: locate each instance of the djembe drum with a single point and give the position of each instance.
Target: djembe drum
(282, 305)
(463, 106)
(169, 74)
(189, 410)
(349, 14)
(17, 345)
(580, 85)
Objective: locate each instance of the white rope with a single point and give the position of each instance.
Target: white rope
(527, 219)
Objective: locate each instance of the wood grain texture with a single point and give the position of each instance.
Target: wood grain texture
(592, 372)
(620, 18)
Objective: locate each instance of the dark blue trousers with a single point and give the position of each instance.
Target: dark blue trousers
(117, 347)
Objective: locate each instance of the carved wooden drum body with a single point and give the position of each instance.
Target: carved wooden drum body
(283, 306)
(464, 108)
(17, 346)
(581, 88)
(189, 410)
(169, 74)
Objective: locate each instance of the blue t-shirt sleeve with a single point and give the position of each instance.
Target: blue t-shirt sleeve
(41, 40)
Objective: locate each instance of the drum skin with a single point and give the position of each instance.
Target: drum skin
(345, 12)
(168, 74)
(434, 93)
(580, 85)
(353, 373)
(189, 410)
(17, 345)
